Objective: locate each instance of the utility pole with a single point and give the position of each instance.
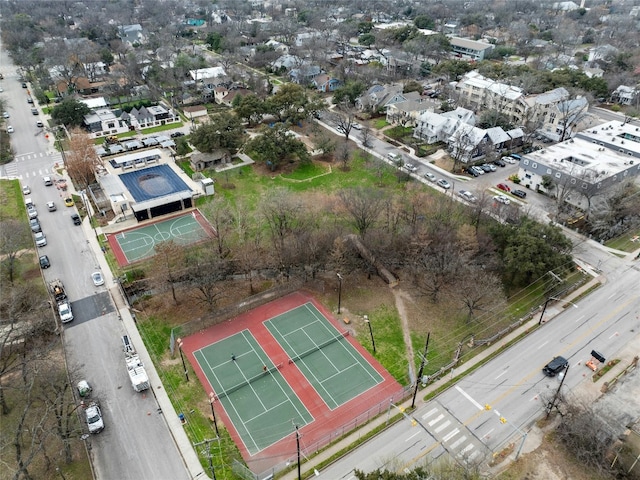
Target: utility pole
(552, 403)
(298, 447)
(424, 360)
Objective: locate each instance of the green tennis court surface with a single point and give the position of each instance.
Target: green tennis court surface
(255, 395)
(326, 358)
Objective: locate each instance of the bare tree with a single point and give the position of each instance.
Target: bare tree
(367, 135)
(344, 155)
(81, 159)
(167, 264)
(364, 206)
(478, 290)
(206, 278)
(219, 214)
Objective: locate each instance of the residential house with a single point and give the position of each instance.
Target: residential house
(131, 34)
(439, 127)
(556, 115)
(497, 138)
(516, 138)
(103, 121)
(379, 96)
(304, 74)
(625, 95)
(407, 111)
(325, 83)
(147, 117)
(233, 93)
(469, 49)
(286, 62)
(468, 144)
(202, 75)
(201, 161)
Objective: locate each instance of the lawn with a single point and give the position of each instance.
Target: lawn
(627, 242)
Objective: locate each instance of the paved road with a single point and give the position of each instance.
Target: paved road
(136, 442)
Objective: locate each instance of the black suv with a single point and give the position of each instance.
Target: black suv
(76, 219)
(44, 262)
(519, 193)
(555, 366)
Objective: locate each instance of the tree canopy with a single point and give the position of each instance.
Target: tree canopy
(223, 131)
(70, 113)
(277, 145)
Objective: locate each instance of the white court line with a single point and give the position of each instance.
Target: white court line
(468, 397)
(409, 438)
(542, 345)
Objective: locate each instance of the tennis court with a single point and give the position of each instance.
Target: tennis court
(139, 243)
(336, 370)
(259, 401)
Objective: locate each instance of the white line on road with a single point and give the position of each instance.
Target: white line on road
(542, 345)
(466, 449)
(535, 397)
(468, 397)
(450, 435)
(443, 426)
(579, 318)
(435, 420)
(612, 295)
(458, 442)
(486, 435)
(615, 334)
(429, 413)
(417, 433)
(501, 374)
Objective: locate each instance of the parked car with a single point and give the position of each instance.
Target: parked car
(500, 163)
(430, 176)
(34, 111)
(492, 168)
(410, 167)
(29, 100)
(51, 206)
(68, 202)
(519, 193)
(477, 169)
(35, 225)
(472, 172)
(177, 134)
(94, 418)
(5, 114)
(10, 129)
(44, 261)
(467, 195)
(486, 168)
(39, 124)
(32, 212)
(97, 278)
(555, 366)
(75, 218)
(41, 239)
(26, 190)
(510, 160)
(84, 389)
(504, 187)
(444, 184)
(47, 181)
(357, 126)
(502, 199)
(24, 84)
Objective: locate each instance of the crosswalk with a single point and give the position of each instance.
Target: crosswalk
(456, 438)
(21, 163)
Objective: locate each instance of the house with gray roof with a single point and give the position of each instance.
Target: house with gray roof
(380, 96)
(469, 49)
(434, 127)
(131, 34)
(407, 111)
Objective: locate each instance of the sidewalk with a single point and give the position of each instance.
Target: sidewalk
(308, 467)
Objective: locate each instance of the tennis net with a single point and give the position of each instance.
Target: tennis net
(318, 347)
(248, 381)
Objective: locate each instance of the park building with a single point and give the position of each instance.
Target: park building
(586, 166)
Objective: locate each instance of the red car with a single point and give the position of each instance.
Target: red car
(504, 187)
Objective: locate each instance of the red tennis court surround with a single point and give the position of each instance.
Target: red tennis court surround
(325, 422)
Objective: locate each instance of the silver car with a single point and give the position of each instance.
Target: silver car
(444, 184)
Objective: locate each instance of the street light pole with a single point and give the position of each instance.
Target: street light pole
(420, 371)
(213, 413)
(544, 307)
(373, 342)
(184, 365)
(339, 291)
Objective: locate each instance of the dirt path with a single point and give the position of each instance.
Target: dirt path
(400, 298)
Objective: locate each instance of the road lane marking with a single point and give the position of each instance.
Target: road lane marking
(450, 435)
(615, 334)
(486, 435)
(429, 413)
(458, 442)
(539, 347)
(468, 397)
(417, 433)
(579, 318)
(435, 420)
(466, 449)
(500, 375)
(442, 426)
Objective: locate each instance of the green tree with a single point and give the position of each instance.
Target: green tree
(249, 108)
(70, 113)
(530, 249)
(289, 103)
(277, 145)
(215, 41)
(223, 131)
(424, 22)
(367, 39)
(349, 93)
